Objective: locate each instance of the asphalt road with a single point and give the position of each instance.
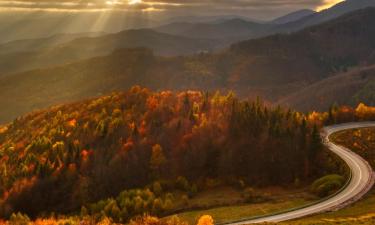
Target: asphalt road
(361, 182)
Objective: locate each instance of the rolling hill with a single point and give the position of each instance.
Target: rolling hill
(337, 10)
(271, 67)
(237, 29)
(349, 88)
(294, 16)
(32, 45)
(87, 47)
(60, 159)
(42, 24)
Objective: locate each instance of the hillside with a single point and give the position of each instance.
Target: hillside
(294, 16)
(271, 67)
(337, 10)
(42, 24)
(32, 45)
(139, 137)
(88, 47)
(344, 89)
(230, 29)
(311, 54)
(236, 29)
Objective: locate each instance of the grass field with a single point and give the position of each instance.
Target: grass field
(226, 204)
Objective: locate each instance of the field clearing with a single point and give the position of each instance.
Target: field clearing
(225, 204)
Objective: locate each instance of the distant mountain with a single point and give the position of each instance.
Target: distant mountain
(31, 45)
(232, 28)
(87, 47)
(326, 15)
(308, 55)
(294, 16)
(237, 29)
(207, 19)
(344, 89)
(271, 67)
(44, 24)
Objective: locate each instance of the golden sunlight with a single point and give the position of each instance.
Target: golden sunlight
(133, 2)
(327, 4)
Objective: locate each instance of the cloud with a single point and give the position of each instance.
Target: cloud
(251, 8)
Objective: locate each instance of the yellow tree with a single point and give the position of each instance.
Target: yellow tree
(206, 220)
(158, 160)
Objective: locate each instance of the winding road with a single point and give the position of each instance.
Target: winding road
(362, 179)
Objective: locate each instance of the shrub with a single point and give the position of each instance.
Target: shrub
(183, 184)
(148, 220)
(241, 184)
(157, 206)
(157, 189)
(193, 191)
(251, 196)
(185, 200)
(19, 219)
(327, 185)
(205, 220)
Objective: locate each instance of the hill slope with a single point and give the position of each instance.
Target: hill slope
(294, 16)
(344, 89)
(79, 153)
(87, 47)
(31, 45)
(337, 10)
(227, 29)
(272, 67)
(237, 29)
(41, 24)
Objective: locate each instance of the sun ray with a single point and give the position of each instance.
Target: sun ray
(134, 2)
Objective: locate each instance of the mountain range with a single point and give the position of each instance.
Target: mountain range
(36, 56)
(239, 29)
(182, 38)
(273, 67)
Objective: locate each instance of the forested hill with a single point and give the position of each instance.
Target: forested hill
(272, 67)
(67, 151)
(313, 53)
(79, 153)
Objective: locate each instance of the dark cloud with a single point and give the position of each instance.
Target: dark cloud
(262, 9)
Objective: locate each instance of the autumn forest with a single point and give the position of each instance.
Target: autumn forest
(169, 112)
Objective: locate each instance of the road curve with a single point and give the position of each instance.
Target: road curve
(361, 181)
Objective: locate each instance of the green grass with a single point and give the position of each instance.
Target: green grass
(226, 204)
(232, 213)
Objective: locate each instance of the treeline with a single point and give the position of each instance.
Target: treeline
(59, 159)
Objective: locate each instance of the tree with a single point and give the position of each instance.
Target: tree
(205, 220)
(316, 143)
(157, 161)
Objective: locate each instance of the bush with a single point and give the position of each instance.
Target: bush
(327, 185)
(252, 196)
(193, 191)
(19, 219)
(185, 200)
(183, 184)
(205, 220)
(157, 189)
(241, 184)
(157, 207)
(148, 220)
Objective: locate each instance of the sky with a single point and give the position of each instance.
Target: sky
(256, 9)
